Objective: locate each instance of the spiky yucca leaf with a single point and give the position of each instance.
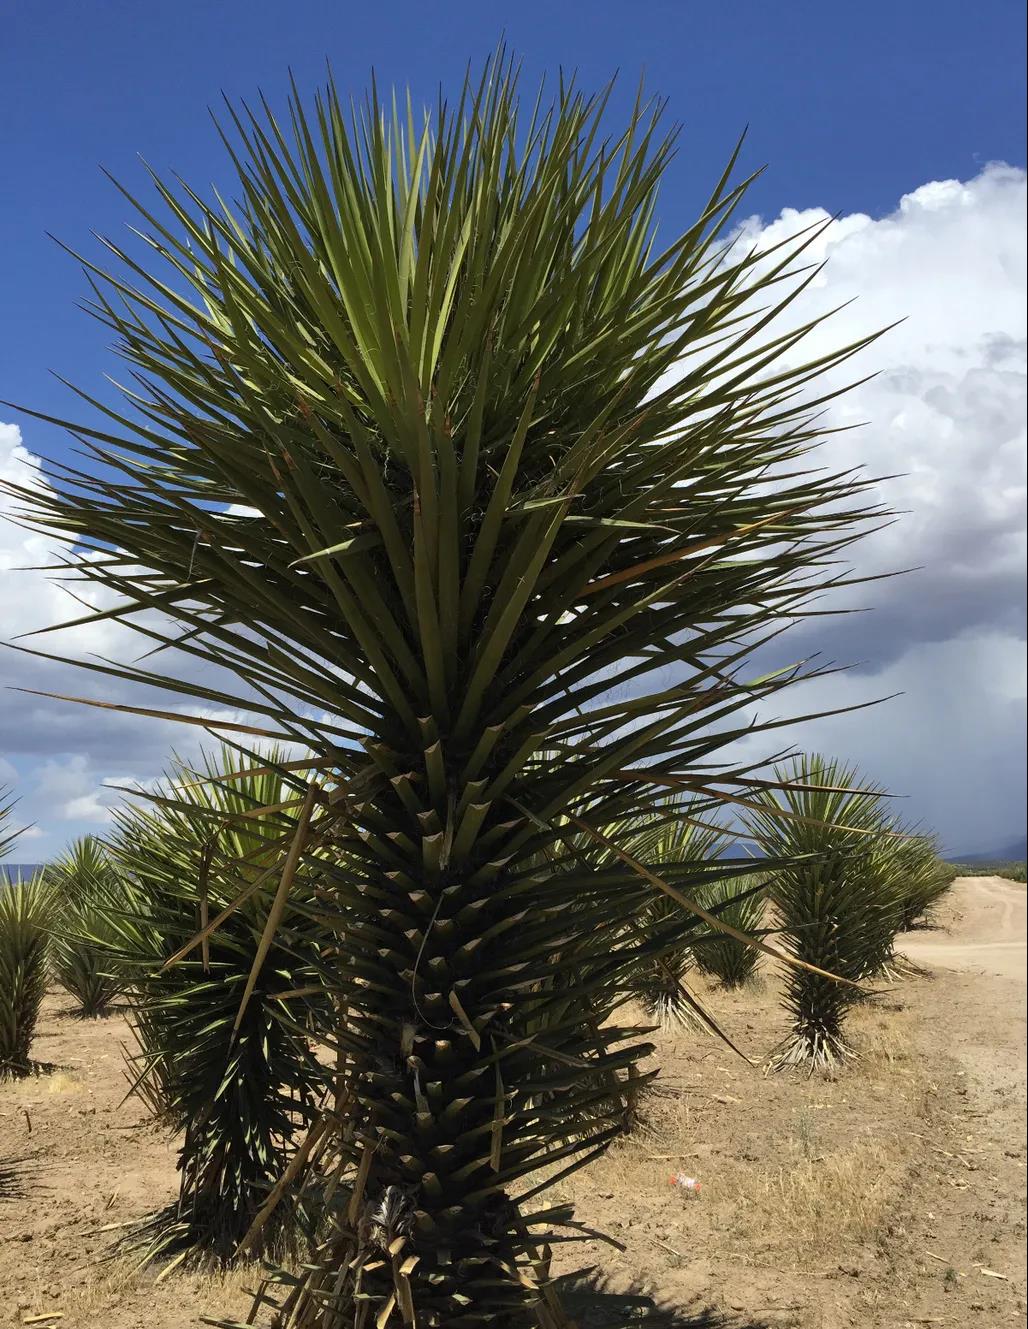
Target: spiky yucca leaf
(240, 1093)
(838, 906)
(489, 448)
(26, 911)
(741, 901)
(8, 835)
(82, 959)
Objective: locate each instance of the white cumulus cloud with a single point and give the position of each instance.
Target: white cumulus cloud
(945, 412)
(56, 758)
(945, 415)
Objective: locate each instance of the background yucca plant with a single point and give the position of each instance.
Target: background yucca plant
(925, 878)
(26, 912)
(673, 843)
(837, 906)
(741, 901)
(81, 956)
(486, 446)
(239, 1089)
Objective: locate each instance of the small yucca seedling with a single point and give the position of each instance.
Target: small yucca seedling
(26, 910)
(838, 907)
(741, 901)
(83, 961)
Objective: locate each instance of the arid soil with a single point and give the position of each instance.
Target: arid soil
(891, 1197)
(986, 934)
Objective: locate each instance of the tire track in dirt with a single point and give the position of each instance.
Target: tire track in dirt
(988, 931)
(974, 1004)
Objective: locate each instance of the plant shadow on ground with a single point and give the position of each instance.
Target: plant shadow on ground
(589, 1299)
(77, 1015)
(33, 1070)
(13, 1173)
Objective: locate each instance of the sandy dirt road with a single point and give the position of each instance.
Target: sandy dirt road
(989, 923)
(975, 1010)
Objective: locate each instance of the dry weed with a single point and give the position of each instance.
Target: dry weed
(880, 1035)
(811, 1207)
(95, 1290)
(63, 1082)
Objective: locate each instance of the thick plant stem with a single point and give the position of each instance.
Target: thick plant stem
(369, 1277)
(422, 1222)
(813, 1045)
(665, 1003)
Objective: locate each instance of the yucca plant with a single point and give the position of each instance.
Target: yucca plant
(671, 843)
(741, 901)
(26, 911)
(431, 444)
(837, 905)
(925, 878)
(85, 889)
(240, 1091)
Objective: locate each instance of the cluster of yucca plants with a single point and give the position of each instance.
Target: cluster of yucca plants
(85, 887)
(223, 1027)
(433, 440)
(1008, 869)
(838, 906)
(925, 877)
(26, 912)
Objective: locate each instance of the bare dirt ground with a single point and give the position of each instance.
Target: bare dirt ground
(892, 1197)
(986, 933)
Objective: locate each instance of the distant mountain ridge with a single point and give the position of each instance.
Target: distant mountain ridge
(1015, 852)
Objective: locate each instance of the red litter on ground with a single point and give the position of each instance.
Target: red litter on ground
(683, 1183)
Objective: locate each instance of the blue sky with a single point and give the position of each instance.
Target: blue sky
(854, 108)
(850, 105)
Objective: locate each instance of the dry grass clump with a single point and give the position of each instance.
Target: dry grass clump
(814, 1207)
(804, 1197)
(96, 1292)
(879, 1036)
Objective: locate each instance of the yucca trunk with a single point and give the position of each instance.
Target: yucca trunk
(440, 447)
(818, 1006)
